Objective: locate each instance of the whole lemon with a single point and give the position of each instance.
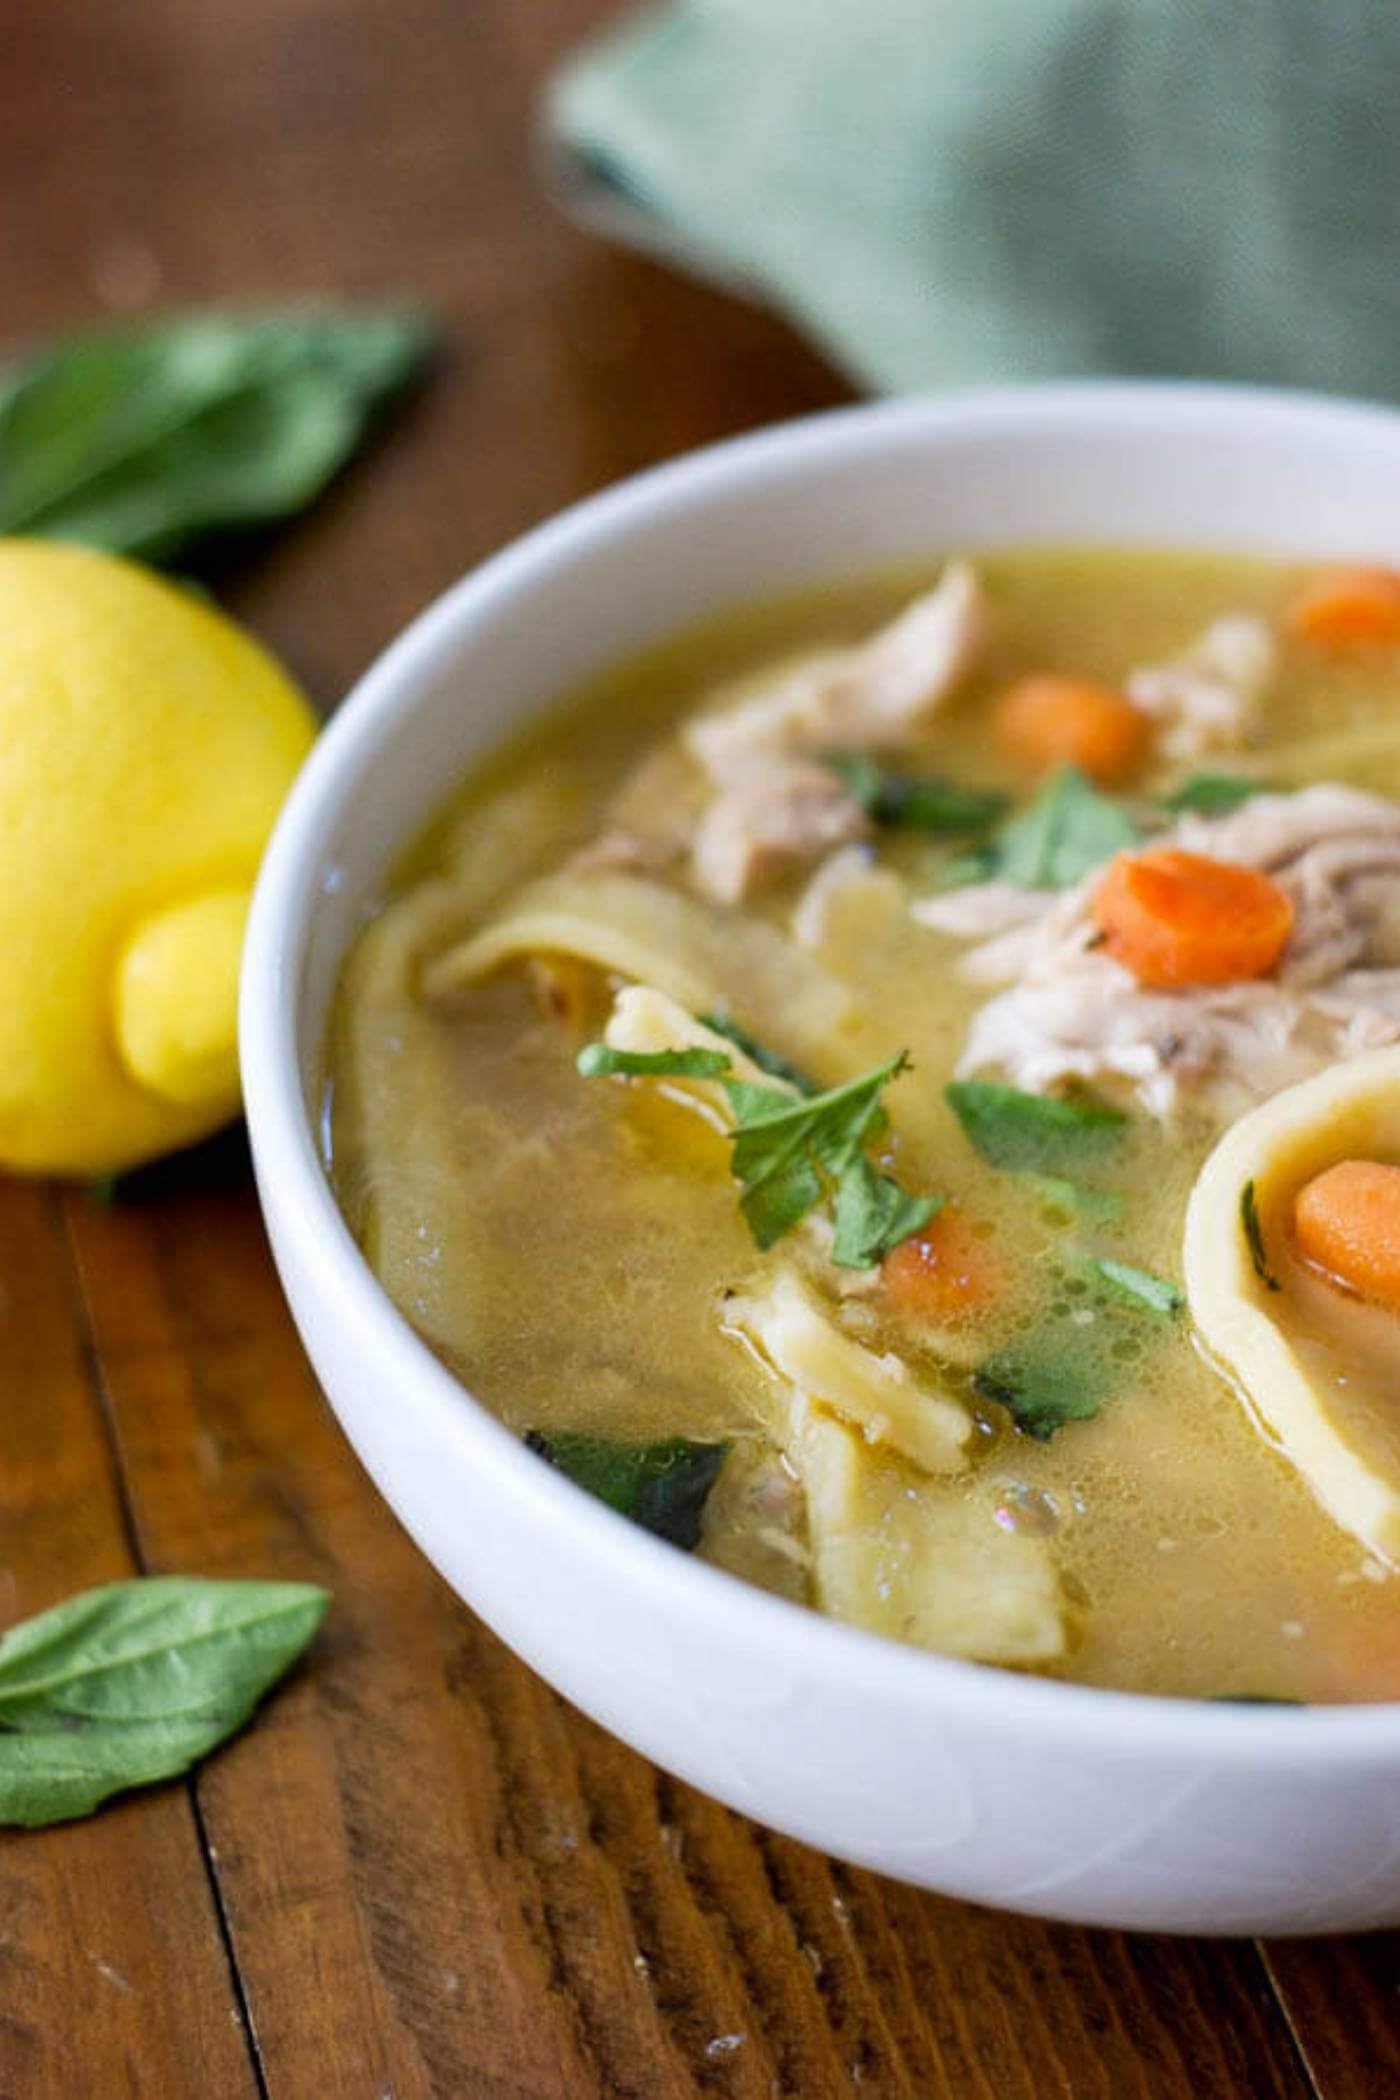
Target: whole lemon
(146, 745)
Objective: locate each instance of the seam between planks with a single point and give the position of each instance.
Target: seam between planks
(106, 1414)
(1280, 1998)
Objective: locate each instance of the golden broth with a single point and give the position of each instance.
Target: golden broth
(563, 1244)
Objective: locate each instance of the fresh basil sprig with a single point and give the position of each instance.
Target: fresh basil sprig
(1068, 829)
(1157, 1294)
(601, 1061)
(144, 439)
(791, 1152)
(788, 1153)
(1044, 1381)
(770, 1061)
(1254, 1238)
(133, 1682)
(1034, 1133)
(662, 1486)
(915, 801)
(1210, 794)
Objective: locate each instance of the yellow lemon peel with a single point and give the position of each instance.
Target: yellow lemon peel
(146, 745)
(177, 1001)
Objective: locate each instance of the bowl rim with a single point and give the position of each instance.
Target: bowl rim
(293, 1182)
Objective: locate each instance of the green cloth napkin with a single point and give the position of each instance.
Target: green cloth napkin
(954, 190)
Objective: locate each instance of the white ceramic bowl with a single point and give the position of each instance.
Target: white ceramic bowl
(1045, 1797)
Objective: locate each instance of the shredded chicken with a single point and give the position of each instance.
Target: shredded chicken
(769, 821)
(1207, 699)
(1071, 1012)
(616, 851)
(873, 695)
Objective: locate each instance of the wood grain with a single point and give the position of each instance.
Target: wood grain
(113, 1974)
(436, 1878)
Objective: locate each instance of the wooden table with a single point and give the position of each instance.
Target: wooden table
(421, 1873)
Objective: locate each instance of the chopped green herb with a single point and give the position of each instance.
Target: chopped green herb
(1253, 1699)
(1209, 794)
(1101, 1205)
(601, 1061)
(874, 1214)
(1069, 828)
(790, 1154)
(1033, 1133)
(1044, 1381)
(916, 801)
(1157, 1293)
(1254, 1235)
(787, 1153)
(767, 1060)
(662, 1486)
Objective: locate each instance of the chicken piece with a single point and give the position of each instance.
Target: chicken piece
(1207, 699)
(1071, 1012)
(1231, 1044)
(768, 822)
(873, 695)
(619, 852)
(1269, 831)
(651, 818)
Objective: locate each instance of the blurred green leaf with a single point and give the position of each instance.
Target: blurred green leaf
(142, 440)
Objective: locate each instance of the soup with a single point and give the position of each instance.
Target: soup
(776, 1087)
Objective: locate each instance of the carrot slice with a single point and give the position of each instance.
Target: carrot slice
(1346, 1222)
(1175, 918)
(1056, 721)
(1348, 609)
(943, 1271)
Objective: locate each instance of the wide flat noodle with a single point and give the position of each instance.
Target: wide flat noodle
(1339, 1432)
(804, 1347)
(898, 1554)
(397, 1165)
(639, 929)
(892, 1548)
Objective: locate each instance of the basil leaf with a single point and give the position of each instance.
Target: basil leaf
(144, 439)
(1068, 829)
(1253, 1699)
(874, 1214)
(134, 1681)
(915, 801)
(1101, 1205)
(786, 1152)
(767, 1060)
(1254, 1235)
(1209, 794)
(601, 1061)
(1035, 1133)
(1157, 1293)
(662, 1486)
(1044, 1382)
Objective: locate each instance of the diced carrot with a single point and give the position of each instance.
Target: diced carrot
(942, 1272)
(1175, 918)
(1348, 609)
(1346, 1222)
(1051, 720)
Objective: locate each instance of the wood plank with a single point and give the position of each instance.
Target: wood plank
(113, 1975)
(383, 1940)
(1342, 1999)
